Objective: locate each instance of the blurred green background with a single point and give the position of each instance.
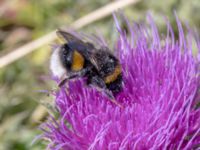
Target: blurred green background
(22, 21)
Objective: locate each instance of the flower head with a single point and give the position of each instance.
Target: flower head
(159, 98)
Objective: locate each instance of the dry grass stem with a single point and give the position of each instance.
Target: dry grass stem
(83, 21)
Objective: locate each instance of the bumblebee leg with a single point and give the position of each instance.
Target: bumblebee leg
(65, 78)
(99, 83)
(109, 94)
(112, 98)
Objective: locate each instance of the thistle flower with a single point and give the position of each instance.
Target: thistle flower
(160, 97)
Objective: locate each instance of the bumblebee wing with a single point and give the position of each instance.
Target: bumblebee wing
(94, 61)
(76, 41)
(67, 36)
(92, 42)
(84, 45)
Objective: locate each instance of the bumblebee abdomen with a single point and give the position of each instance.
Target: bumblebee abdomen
(77, 61)
(66, 56)
(71, 59)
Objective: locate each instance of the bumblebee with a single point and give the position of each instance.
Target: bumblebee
(78, 58)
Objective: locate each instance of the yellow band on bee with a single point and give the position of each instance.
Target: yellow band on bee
(77, 62)
(114, 75)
